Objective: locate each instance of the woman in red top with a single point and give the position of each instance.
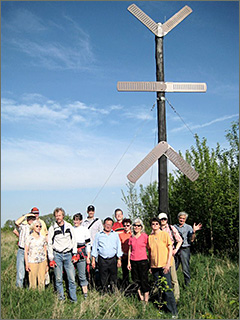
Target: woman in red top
(124, 238)
(138, 260)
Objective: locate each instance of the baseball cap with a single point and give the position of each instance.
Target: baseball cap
(162, 215)
(35, 210)
(90, 208)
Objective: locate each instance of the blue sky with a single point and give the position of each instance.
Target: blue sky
(64, 125)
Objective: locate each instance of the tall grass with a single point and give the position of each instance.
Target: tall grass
(213, 294)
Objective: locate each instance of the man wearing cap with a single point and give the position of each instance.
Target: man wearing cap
(93, 224)
(188, 235)
(24, 231)
(44, 231)
(62, 252)
(177, 242)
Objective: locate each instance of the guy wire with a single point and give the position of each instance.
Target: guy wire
(131, 142)
(179, 116)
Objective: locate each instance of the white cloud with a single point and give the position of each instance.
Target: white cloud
(115, 107)
(13, 111)
(37, 106)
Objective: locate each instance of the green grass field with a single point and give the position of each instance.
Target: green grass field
(212, 294)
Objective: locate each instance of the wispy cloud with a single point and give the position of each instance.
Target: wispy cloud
(139, 115)
(224, 89)
(23, 20)
(55, 55)
(36, 38)
(192, 127)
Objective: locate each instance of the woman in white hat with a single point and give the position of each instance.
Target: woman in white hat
(177, 242)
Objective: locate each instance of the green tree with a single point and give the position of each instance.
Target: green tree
(132, 201)
(212, 199)
(149, 203)
(9, 225)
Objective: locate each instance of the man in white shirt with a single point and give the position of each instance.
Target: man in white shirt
(62, 252)
(94, 225)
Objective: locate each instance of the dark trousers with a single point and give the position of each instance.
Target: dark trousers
(183, 257)
(139, 273)
(108, 272)
(125, 272)
(168, 296)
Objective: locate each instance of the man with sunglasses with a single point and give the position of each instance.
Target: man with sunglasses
(177, 242)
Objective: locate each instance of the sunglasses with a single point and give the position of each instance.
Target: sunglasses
(163, 219)
(137, 225)
(126, 225)
(39, 226)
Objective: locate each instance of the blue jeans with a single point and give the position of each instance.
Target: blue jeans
(81, 267)
(168, 296)
(183, 257)
(20, 268)
(64, 260)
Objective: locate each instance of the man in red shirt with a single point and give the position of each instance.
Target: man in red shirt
(118, 226)
(124, 238)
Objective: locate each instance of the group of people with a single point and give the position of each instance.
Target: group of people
(96, 250)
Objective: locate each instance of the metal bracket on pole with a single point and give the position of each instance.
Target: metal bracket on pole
(163, 148)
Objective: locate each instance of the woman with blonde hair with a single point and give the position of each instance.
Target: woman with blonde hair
(36, 256)
(137, 259)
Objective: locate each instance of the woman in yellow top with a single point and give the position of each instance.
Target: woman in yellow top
(160, 252)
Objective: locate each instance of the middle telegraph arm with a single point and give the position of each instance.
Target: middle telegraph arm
(158, 86)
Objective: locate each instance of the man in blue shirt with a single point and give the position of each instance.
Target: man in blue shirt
(188, 235)
(107, 247)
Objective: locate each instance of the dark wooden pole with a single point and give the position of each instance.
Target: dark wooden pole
(162, 132)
